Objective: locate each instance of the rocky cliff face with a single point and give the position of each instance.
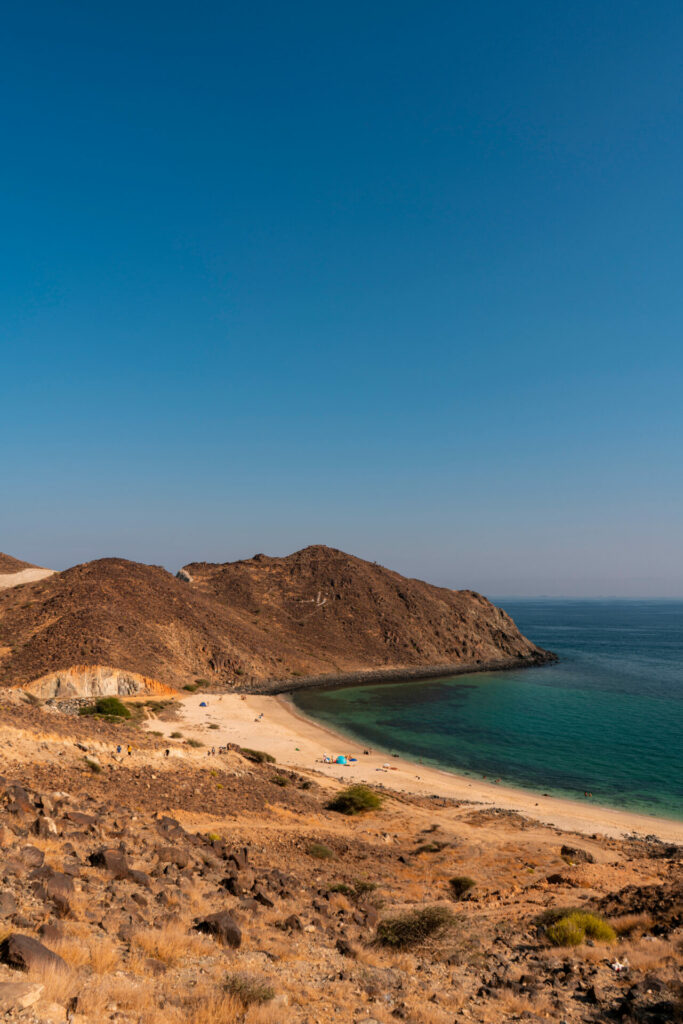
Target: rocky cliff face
(318, 612)
(94, 681)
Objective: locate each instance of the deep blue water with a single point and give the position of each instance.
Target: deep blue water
(607, 718)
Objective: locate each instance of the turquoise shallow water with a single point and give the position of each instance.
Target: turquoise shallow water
(608, 717)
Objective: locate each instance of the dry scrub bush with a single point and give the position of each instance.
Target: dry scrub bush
(267, 1014)
(355, 799)
(214, 1009)
(337, 901)
(60, 985)
(172, 943)
(414, 927)
(628, 924)
(320, 851)
(648, 954)
(139, 998)
(522, 1006)
(104, 956)
(249, 989)
(460, 884)
(75, 953)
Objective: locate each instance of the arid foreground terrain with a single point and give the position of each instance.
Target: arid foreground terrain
(148, 887)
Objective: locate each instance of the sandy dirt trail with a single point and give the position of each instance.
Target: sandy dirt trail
(14, 579)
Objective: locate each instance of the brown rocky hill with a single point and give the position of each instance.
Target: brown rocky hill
(9, 564)
(316, 612)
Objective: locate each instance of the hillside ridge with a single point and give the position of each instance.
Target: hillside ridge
(257, 623)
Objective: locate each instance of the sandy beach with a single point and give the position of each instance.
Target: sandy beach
(273, 724)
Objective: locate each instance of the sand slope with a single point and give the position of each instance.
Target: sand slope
(13, 579)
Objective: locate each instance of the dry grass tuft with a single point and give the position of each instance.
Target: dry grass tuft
(60, 985)
(214, 1009)
(628, 924)
(172, 943)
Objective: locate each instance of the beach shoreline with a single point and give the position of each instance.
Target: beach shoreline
(272, 724)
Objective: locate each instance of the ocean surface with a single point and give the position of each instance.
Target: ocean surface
(607, 718)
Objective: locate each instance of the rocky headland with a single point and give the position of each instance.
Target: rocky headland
(262, 624)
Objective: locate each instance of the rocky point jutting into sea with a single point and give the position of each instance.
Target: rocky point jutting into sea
(263, 624)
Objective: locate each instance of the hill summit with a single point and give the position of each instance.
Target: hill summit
(259, 623)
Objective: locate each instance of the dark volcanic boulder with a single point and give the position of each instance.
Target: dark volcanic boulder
(24, 954)
(222, 926)
(113, 861)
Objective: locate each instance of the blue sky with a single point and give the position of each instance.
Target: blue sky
(400, 278)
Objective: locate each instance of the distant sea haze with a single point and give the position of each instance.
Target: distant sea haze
(607, 719)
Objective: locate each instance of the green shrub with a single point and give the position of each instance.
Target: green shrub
(597, 928)
(250, 991)
(202, 682)
(460, 885)
(572, 929)
(565, 932)
(361, 888)
(258, 756)
(280, 780)
(322, 852)
(110, 706)
(176, 735)
(194, 743)
(430, 848)
(191, 687)
(414, 927)
(214, 725)
(355, 891)
(355, 800)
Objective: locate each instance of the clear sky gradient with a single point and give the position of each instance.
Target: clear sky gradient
(401, 278)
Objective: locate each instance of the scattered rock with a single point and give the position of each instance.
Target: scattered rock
(222, 926)
(19, 995)
(24, 953)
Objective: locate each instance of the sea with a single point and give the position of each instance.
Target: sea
(606, 719)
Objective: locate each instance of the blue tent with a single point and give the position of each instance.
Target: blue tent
(341, 759)
(203, 704)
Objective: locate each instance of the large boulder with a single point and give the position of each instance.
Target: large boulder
(24, 954)
(222, 926)
(113, 861)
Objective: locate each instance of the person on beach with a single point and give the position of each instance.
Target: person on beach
(129, 750)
